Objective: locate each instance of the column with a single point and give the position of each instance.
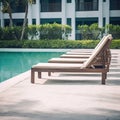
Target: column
(100, 18)
(107, 6)
(107, 14)
(63, 12)
(1, 16)
(29, 14)
(73, 20)
(38, 7)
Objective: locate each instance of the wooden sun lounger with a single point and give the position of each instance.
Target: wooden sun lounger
(98, 62)
(74, 57)
(80, 54)
(85, 52)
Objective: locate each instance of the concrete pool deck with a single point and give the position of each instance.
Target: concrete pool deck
(63, 96)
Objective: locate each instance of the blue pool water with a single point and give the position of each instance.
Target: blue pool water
(14, 63)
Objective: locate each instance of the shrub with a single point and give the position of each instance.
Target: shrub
(90, 32)
(115, 44)
(12, 33)
(48, 31)
(11, 44)
(55, 44)
(1, 33)
(94, 32)
(114, 30)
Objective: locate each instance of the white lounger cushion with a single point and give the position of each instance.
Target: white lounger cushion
(57, 65)
(63, 60)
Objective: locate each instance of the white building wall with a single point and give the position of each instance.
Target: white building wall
(87, 14)
(114, 13)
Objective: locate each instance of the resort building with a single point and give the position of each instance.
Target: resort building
(71, 12)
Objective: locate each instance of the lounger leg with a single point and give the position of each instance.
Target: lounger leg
(104, 75)
(49, 73)
(39, 74)
(32, 76)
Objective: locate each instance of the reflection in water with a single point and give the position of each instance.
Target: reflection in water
(13, 63)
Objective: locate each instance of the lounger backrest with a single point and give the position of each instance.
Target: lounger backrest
(98, 50)
(100, 42)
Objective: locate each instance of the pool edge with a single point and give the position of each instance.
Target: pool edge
(14, 80)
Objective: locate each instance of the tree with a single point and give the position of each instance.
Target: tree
(7, 8)
(26, 2)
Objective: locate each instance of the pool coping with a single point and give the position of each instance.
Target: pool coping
(14, 80)
(32, 50)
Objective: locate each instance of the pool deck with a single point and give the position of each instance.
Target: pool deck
(63, 96)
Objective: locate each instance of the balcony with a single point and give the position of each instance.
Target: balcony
(86, 6)
(51, 7)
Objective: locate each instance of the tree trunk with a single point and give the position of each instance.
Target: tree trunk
(11, 20)
(10, 15)
(24, 23)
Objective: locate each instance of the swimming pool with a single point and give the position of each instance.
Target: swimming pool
(13, 62)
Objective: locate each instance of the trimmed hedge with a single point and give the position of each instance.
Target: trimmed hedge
(88, 44)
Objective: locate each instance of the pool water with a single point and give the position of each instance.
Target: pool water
(14, 63)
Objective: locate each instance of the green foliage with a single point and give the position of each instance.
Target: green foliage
(32, 31)
(87, 44)
(1, 33)
(12, 33)
(114, 30)
(48, 31)
(8, 33)
(84, 30)
(115, 44)
(11, 44)
(94, 32)
(90, 32)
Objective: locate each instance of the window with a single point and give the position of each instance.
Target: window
(20, 7)
(51, 21)
(50, 5)
(17, 22)
(87, 21)
(69, 21)
(6, 22)
(104, 19)
(69, 1)
(104, 0)
(86, 5)
(34, 2)
(114, 4)
(115, 20)
(33, 21)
